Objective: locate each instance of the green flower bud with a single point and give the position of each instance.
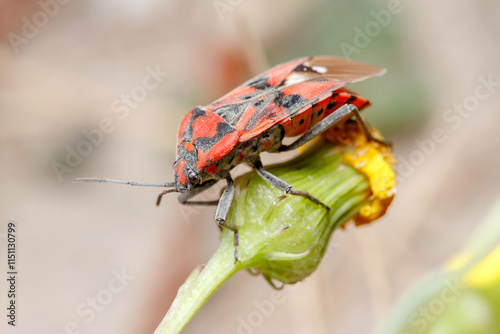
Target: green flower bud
(285, 237)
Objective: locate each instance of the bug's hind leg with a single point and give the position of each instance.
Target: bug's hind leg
(366, 129)
(330, 120)
(321, 127)
(283, 186)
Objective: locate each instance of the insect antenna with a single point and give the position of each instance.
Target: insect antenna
(130, 183)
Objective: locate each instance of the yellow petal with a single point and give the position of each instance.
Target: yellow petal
(373, 160)
(485, 274)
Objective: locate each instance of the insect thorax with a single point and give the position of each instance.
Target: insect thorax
(245, 152)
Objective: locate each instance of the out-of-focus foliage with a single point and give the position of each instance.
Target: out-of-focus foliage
(462, 298)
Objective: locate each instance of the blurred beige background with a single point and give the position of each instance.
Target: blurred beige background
(68, 65)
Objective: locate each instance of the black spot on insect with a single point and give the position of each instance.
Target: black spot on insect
(258, 103)
(289, 101)
(320, 112)
(205, 143)
(351, 100)
(260, 83)
(223, 129)
(301, 122)
(197, 112)
(331, 105)
(262, 86)
(303, 68)
(231, 113)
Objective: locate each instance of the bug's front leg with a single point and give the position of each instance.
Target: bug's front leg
(223, 205)
(283, 186)
(222, 211)
(185, 198)
(225, 202)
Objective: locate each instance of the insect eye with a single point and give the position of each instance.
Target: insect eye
(192, 177)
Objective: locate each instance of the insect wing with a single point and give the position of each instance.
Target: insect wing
(260, 83)
(286, 90)
(241, 103)
(332, 69)
(305, 85)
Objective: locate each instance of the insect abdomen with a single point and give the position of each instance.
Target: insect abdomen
(306, 119)
(343, 96)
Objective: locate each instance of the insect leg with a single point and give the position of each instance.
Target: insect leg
(236, 239)
(283, 186)
(323, 125)
(184, 198)
(330, 120)
(222, 211)
(225, 202)
(366, 129)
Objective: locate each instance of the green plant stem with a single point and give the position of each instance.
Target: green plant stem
(198, 288)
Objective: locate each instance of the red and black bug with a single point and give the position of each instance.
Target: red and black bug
(302, 97)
